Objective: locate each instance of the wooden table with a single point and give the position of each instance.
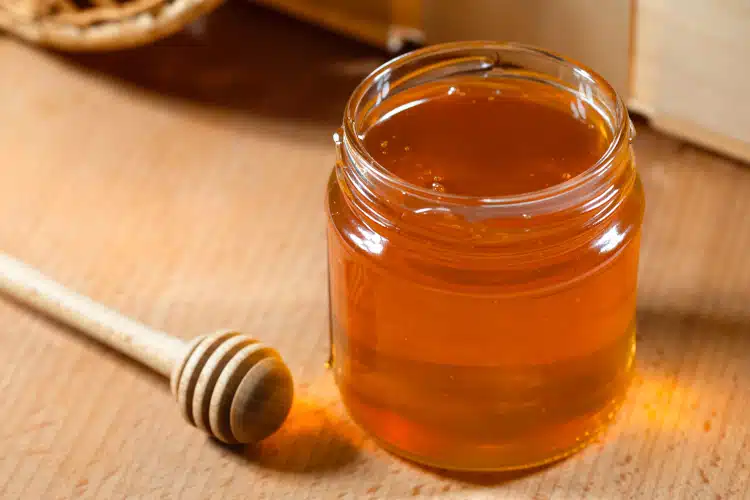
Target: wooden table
(183, 184)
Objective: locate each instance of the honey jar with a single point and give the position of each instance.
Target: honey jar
(484, 219)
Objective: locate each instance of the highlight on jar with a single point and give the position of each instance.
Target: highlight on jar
(484, 219)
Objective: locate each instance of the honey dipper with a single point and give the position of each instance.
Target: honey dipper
(231, 386)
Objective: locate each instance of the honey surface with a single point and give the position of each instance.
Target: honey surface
(484, 140)
(473, 363)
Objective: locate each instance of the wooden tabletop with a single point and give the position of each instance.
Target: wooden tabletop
(183, 185)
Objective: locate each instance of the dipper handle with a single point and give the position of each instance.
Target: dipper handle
(151, 347)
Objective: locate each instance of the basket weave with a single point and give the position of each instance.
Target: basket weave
(91, 25)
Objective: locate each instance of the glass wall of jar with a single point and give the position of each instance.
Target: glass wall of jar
(483, 332)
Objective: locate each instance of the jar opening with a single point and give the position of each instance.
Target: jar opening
(487, 61)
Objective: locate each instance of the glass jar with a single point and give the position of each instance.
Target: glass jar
(506, 350)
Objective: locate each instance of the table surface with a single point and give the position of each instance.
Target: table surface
(183, 183)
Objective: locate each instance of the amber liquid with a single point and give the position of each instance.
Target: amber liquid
(459, 367)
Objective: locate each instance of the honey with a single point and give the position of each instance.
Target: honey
(482, 139)
(484, 226)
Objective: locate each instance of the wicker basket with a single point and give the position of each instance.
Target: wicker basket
(92, 25)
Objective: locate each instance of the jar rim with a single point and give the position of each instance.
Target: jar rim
(354, 142)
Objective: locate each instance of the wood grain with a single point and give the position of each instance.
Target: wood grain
(183, 184)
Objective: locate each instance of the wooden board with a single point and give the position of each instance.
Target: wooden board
(690, 71)
(388, 24)
(183, 184)
(593, 32)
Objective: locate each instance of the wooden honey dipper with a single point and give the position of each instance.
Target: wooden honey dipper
(231, 386)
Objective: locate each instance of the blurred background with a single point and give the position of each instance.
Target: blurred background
(181, 181)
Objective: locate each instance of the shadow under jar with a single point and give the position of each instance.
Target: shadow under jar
(484, 227)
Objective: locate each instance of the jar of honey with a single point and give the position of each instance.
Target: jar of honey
(483, 241)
